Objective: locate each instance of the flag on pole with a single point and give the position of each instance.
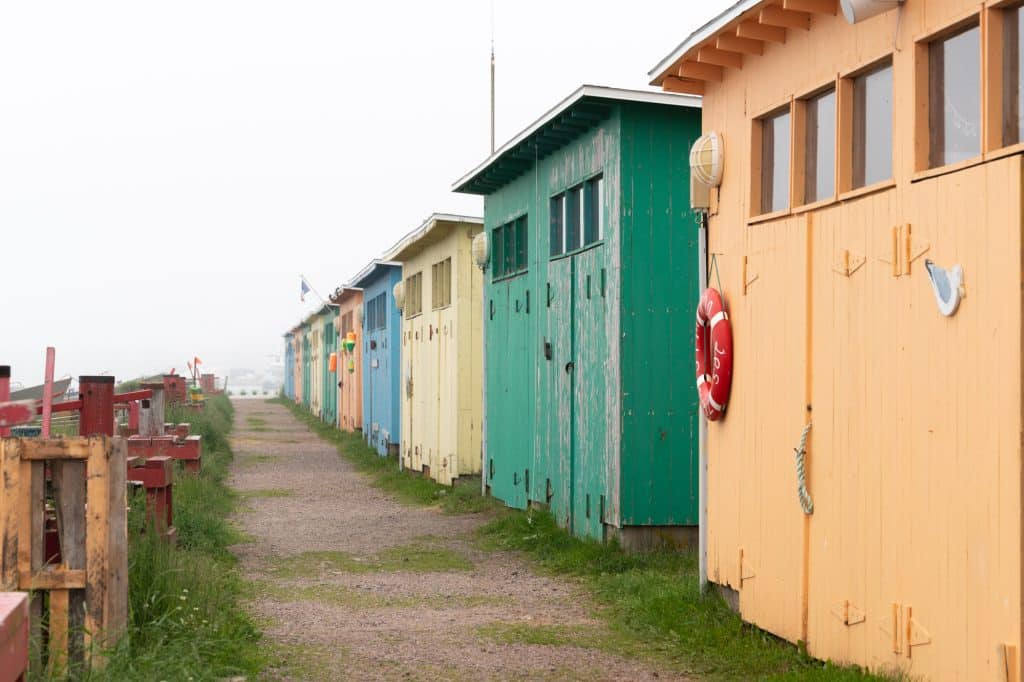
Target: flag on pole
(305, 290)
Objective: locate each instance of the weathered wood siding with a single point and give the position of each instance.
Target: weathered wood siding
(577, 439)
(914, 458)
(382, 362)
(289, 367)
(441, 360)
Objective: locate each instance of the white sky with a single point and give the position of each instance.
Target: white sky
(167, 170)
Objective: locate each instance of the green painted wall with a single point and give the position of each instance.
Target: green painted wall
(329, 401)
(604, 432)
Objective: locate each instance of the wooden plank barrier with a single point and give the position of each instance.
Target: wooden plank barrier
(13, 636)
(88, 588)
(156, 476)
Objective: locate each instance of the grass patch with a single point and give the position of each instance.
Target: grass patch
(341, 595)
(186, 620)
(582, 636)
(653, 601)
(255, 421)
(266, 492)
(253, 460)
(406, 486)
(409, 558)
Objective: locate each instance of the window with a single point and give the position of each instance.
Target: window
(414, 294)
(872, 127)
(954, 97)
(511, 248)
(775, 137)
(1013, 71)
(376, 313)
(820, 147)
(441, 284)
(593, 213)
(558, 225)
(577, 217)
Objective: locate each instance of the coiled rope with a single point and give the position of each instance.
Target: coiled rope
(806, 503)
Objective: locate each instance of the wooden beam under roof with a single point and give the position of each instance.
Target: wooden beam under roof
(773, 15)
(733, 43)
(685, 87)
(711, 55)
(812, 6)
(756, 31)
(701, 72)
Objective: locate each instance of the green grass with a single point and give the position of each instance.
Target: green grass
(255, 421)
(414, 558)
(408, 487)
(266, 492)
(186, 621)
(651, 602)
(654, 600)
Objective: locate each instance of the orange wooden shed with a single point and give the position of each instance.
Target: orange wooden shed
(350, 360)
(866, 234)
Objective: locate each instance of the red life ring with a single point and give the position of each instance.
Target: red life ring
(713, 327)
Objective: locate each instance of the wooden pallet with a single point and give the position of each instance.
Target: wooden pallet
(87, 605)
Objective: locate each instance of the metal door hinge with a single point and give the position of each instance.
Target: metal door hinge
(903, 631)
(745, 570)
(847, 263)
(1008, 660)
(749, 276)
(848, 613)
(903, 250)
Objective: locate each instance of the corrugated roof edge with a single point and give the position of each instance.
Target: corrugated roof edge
(699, 36)
(596, 91)
(421, 231)
(370, 268)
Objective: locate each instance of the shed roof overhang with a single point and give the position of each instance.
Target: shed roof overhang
(735, 35)
(567, 120)
(432, 230)
(342, 294)
(372, 269)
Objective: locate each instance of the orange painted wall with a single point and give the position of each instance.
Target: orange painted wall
(350, 389)
(914, 459)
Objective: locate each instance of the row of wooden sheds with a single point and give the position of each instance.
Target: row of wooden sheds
(540, 345)
(864, 167)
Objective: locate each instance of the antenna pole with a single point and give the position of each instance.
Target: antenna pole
(492, 76)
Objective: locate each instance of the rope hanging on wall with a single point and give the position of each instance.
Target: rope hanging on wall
(806, 503)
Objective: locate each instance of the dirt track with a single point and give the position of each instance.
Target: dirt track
(354, 585)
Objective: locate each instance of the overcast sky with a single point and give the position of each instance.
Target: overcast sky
(167, 170)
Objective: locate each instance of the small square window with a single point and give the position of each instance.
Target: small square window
(522, 245)
(820, 147)
(954, 97)
(872, 126)
(498, 258)
(573, 218)
(775, 139)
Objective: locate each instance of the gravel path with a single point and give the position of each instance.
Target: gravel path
(353, 585)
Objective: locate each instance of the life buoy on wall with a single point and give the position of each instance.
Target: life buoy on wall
(714, 348)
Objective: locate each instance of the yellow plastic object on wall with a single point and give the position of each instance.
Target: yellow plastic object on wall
(351, 366)
(332, 363)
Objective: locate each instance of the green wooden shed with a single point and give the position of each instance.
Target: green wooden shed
(590, 298)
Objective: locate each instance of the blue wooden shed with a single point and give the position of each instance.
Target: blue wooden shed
(381, 339)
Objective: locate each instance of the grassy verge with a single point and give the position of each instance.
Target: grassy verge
(186, 621)
(651, 601)
(384, 473)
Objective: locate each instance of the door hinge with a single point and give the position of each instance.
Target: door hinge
(1008, 657)
(745, 571)
(903, 631)
(847, 263)
(848, 613)
(903, 250)
(748, 275)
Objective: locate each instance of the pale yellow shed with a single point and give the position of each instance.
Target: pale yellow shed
(861, 154)
(442, 350)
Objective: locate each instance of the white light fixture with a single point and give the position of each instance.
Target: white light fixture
(948, 286)
(481, 250)
(707, 158)
(858, 10)
(399, 293)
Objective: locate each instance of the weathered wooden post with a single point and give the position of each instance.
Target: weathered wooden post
(5, 393)
(13, 636)
(97, 413)
(151, 417)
